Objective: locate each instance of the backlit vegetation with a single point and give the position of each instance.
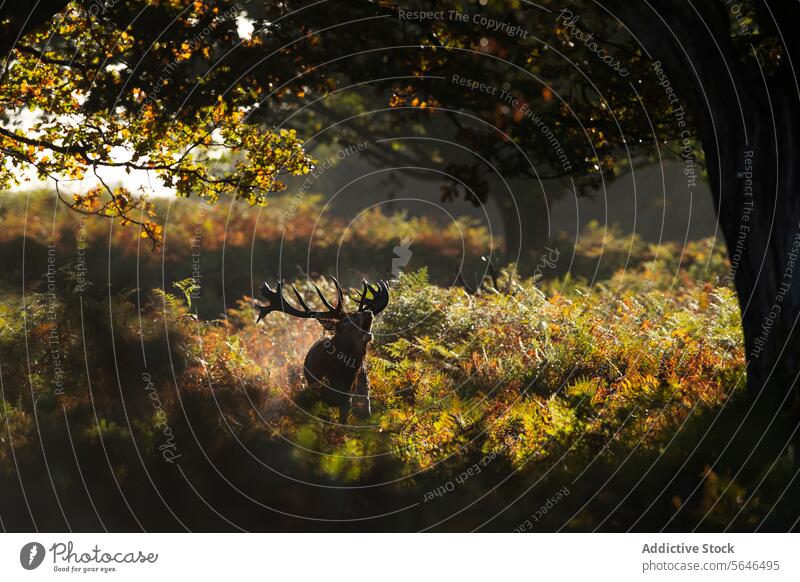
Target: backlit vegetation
(579, 371)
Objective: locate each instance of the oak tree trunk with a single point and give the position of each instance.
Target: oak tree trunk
(748, 119)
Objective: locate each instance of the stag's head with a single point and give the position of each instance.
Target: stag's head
(352, 329)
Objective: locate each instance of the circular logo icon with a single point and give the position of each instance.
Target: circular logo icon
(31, 555)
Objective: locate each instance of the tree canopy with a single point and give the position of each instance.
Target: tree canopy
(210, 95)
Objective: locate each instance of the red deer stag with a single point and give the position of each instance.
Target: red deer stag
(334, 366)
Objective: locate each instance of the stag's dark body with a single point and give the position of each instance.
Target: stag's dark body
(334, 366)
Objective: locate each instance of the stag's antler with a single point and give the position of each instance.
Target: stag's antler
(379, 299)
(277, 302)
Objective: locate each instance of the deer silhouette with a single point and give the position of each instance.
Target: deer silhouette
(334, 366)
